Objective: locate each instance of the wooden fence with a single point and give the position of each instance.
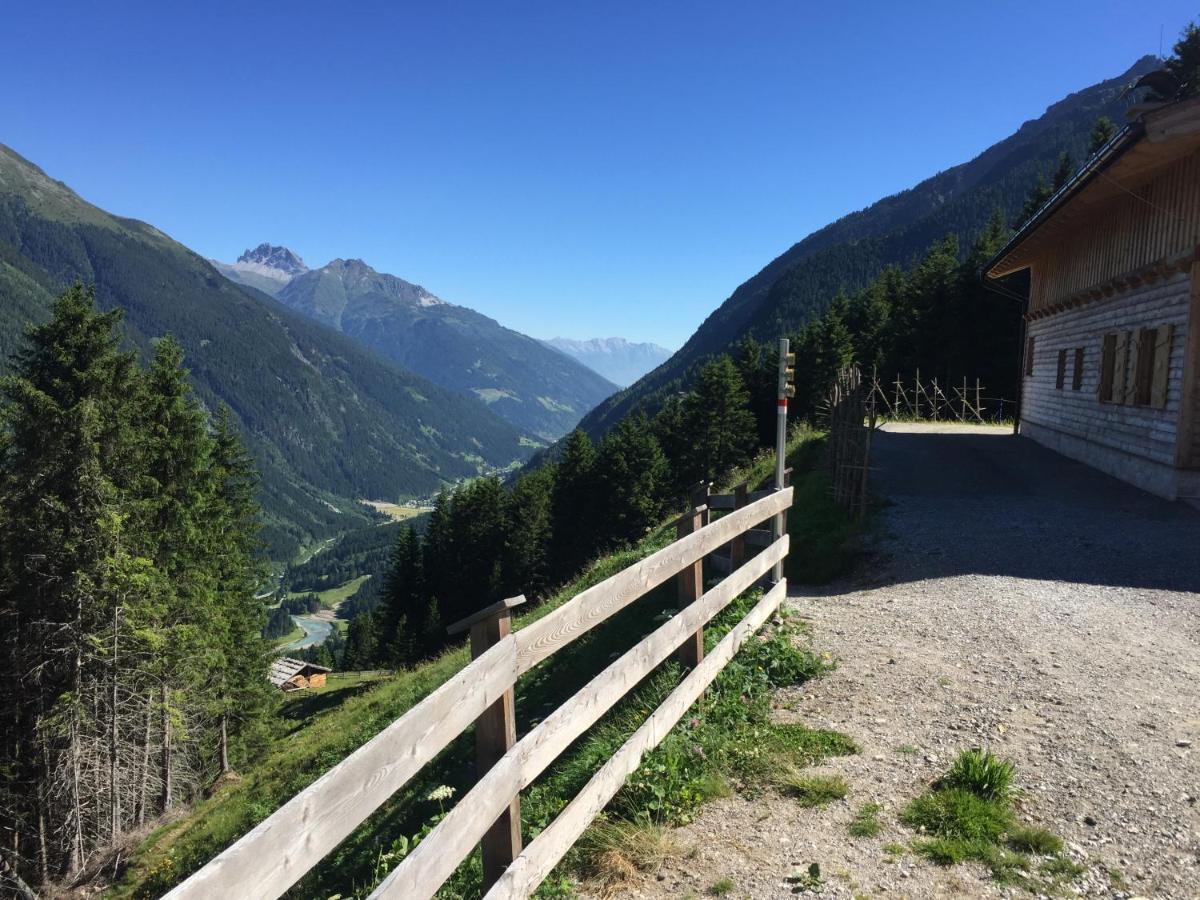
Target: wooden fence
(279, 851)
(851, 412)
(916, 399)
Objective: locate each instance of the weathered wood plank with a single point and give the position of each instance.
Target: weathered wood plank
(592, 606)
(281, 849)
(424, 870)
(535, 863)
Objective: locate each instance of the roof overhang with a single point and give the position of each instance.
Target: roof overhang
(1131, 158)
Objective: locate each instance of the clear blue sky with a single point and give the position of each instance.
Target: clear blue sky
(568, 168)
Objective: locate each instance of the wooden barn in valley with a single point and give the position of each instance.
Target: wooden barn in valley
(1111, 364)
(289, 674)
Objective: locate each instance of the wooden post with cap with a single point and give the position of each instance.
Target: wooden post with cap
(495, 734)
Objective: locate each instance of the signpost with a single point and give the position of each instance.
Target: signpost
(787, 375)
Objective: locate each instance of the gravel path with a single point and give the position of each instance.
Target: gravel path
(1016, 600)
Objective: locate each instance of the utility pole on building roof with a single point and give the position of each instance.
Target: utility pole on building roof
(787, 376)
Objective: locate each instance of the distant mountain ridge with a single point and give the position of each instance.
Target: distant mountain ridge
(328, 421)
(533, 387)
(848, 253)
(620, 361)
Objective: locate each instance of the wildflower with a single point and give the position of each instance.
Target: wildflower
(440, 793)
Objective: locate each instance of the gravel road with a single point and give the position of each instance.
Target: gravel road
(1015, 600)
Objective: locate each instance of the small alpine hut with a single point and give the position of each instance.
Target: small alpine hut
(1111, 356)
(289, 674)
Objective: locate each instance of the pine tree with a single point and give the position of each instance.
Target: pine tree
(66, 455)
(1102, 133)
(528, 535)
(403, 601)
(631, 466)
(719, 419)
(1184, 63)
(573, 506)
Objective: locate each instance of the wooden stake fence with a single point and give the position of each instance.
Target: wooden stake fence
(279, 851)
(918, 399)
(850, 413)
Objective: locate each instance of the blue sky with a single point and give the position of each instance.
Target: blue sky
(583, 169)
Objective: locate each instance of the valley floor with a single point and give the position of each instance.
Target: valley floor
(1014, 600)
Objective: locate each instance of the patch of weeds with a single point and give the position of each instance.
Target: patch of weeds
(616, 850)
(1116, 877)
(1062, 867)
(866, 821)
(1037, 841)
(967, 816)
(960, 814)
(811, 790)
(808, 880)
(908, 750)
(808, 746)
(981, 773)
(894, 849)
(721, 888)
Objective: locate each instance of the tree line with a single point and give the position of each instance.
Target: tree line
(486, 540)
(130, 644)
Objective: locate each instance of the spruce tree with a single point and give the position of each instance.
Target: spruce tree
(631, 466)
(718, 418)
(573, 505)
(1102, 133)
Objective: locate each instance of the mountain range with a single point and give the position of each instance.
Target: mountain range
(533, 387)
(845, 255)
(328, 421)
(620, 361)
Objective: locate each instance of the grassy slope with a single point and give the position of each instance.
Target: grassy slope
(320, 734)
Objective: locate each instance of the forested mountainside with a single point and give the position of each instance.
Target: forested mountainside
(326, 420)
(530, 385)
(620, 361)
(849, 253)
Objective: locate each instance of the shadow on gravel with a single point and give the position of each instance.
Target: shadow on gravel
(995, 504)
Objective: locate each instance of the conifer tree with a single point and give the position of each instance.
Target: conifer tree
(1102, 133)
(573, 505)
(719, 420)
(631, 466)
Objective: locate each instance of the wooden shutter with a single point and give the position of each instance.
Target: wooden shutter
(1108, 361)
(1133, 345)
(1060, 375)
(1029, 357)
(1144, 369)
(1160, 379)
(1077, 374)
(1120, 367)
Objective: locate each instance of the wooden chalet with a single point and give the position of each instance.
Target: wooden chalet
(1111, 356)
(289, 674)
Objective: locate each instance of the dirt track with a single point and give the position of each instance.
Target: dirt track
(1018, 601)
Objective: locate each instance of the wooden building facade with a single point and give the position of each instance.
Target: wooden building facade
(1111, 358)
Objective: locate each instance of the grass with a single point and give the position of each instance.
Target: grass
(721, 887)
(726, 741)
(397, 512)
(967, 816)
(866, 823)
(981, 773)
(825, 539)
(616, 851)
(811, 790)
(331, 597)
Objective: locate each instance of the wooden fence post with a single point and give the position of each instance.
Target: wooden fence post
(737, 547)
(691, 579)
(495, 734)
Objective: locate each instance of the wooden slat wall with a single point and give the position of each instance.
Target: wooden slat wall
(1141, 430)
(1162, 222)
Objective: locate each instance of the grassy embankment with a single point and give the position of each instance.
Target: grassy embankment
(728, 742)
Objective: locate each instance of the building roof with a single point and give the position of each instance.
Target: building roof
(286, 668)
(1133, 156)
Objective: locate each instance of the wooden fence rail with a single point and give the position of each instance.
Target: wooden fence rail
(278, 852)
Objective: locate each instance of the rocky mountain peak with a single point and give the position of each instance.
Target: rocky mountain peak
(271, 256)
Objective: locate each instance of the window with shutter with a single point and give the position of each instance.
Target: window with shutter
(1160, 378)
(1144, 365)
(1077, 372)
(1108, 361)
(1120, 367)
(1060, 375)
(1029, 357)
